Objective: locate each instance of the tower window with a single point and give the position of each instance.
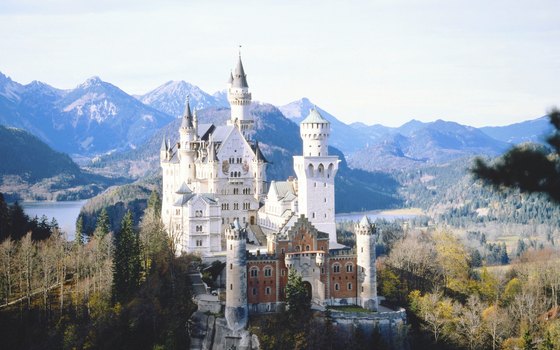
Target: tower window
(349, 286)
(349, 268)
(267, 271)
(267, 290)
(231, 287)
(254, 291)
(336, 268)
(336, 286)
(254, 271)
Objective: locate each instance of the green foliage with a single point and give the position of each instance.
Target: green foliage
(530, 169)
(126, 264)
(297, 298)
(15, 224)
(103, 225)
(79, 237)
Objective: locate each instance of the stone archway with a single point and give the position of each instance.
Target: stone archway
(252, 220)
(308, 289)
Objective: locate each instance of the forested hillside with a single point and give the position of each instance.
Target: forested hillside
(30, 169)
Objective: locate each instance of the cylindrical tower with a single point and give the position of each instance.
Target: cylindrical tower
(186, 154)
(367, 272)
(239, 99)
(237, 313)
(315, 131)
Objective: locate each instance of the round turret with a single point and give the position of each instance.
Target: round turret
(315, 131)
(367, 272)
(236, 312)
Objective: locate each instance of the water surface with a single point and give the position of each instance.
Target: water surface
(66, 213)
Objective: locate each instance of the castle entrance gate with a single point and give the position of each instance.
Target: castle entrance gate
(308, 289)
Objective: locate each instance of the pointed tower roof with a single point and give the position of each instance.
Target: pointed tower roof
(230, 79)
(187, 121)
(184, 189)
(163, 144)
(314, 117)
(239, 76)
(365, 221)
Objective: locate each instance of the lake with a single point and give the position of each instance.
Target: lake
(373, 215)
(66, 213)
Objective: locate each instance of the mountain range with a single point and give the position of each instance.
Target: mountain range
(97, 117)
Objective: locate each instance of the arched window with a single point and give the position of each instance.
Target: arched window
(336, 286)
(310, 170)
(336, 268)
(349, 267)
(267, 271)
(321, 169)
(254, 271)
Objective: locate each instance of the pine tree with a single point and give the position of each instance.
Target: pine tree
(297, 298)
(4, 219)
(103, 225)
(526, 167)
(126, 263)
(79, 238)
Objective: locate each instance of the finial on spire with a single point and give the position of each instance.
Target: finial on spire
(239, 50)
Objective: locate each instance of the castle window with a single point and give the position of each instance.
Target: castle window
(313, 215)
(336, 286)
(322, 270)
(336, 268)
(231, 266)
(267, 271)
(231, 287)
(282, 272)
(177, 211)
(349, 267)
(254, 271)
(199, 243)
(254, 291)
(282, 250)
(267, 291)
(307, 247)
(362, 289)
(349, 286)
(362, 249)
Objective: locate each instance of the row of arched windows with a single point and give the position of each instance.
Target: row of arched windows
(254, 271)
(349, 267)
(320, 171)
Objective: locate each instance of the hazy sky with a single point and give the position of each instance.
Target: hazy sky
(474, 62)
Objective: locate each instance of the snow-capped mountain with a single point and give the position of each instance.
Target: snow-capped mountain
(95, 117)
(170, 98)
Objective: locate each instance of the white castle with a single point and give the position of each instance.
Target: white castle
(215, 200)
(215, 175)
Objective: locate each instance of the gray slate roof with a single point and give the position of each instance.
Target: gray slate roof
(239, 76)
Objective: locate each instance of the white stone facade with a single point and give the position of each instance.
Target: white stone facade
(219, 168)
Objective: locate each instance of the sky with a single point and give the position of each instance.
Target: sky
(379, 61)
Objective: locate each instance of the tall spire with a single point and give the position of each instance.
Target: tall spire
(187, 116)
(239, 76)
(163, 144)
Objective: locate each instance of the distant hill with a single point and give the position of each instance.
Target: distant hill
(30, 169)
(528, 131)
(418, 144)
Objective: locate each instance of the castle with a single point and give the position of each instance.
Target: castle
(215, 200)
